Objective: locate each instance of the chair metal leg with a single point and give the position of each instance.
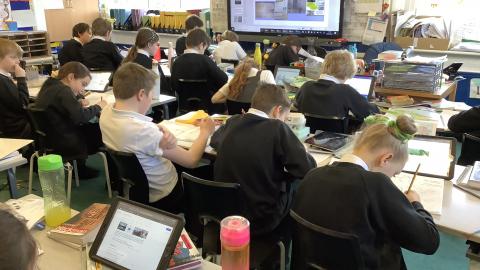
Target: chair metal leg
(281, 246)
(69, 182)
(30, 175)
(107, 174)
(75, 170)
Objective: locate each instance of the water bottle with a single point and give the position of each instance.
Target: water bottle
(156, 87)
(257, 56)
(235, 239)
(52, 180)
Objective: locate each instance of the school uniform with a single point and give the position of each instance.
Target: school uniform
(328, 97)
(101, 54)
(180, 46)
(466, 122)
(347, 197)
(265, 157)
(229, 50)
(254, 79)
(13, 102)
(143, 59)
(71, 51)
(69, 132)
(283, 55)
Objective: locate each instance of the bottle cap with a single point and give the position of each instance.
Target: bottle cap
(50, 163)
(235, 231)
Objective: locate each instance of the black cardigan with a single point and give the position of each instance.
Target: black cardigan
(466, 122)
(283, 55)
(264, 156)
(13, 102)
(66, 114)
(144, 61)
(71, 51)
(100, 54)
(327, 98)
(346, 198)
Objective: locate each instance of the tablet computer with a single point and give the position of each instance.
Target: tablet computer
(285, 75)
(364, 84)
(99, 81)
(136, 236)
(328, 141)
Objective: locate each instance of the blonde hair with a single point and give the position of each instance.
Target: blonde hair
(100, 27)
(339, 64)
(130, 78)
(8, 47)
(380, 132)
(239, 80)
(230, 35)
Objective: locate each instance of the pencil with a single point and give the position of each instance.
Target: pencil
(413, 179)
(87, 93)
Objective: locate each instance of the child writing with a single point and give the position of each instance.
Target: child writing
(13, 98)
(356, 196)
(154, 146)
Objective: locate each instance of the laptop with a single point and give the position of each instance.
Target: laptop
(284, 75)
(364, 85)
(99, 82)
(136, 236)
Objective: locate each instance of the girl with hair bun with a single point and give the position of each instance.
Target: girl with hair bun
(356, 196)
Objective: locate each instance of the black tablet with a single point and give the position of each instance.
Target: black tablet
(136, 236)
(328, 141)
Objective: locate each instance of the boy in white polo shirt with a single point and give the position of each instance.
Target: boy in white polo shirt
(126, 128)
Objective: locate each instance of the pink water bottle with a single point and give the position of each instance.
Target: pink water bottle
(235, 238)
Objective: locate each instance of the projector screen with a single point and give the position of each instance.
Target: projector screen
(321, 18)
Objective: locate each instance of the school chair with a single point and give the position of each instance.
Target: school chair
(315, 247)
(39, 122)
(134, 182)
(321, 52)
(470, 150)
(326, 123)
(208, 202)
(236, 107)
(230, 61)
(193, 95)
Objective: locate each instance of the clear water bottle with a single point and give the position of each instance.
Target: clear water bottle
(52, 180)
(156, 87)
(235, 238)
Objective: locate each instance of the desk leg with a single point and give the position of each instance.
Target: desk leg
(12, 183)
(453, 94)
(166, 114)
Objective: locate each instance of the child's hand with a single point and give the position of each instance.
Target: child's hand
(207, 125)
(19, 71)
(412, 196)
(102, 103)
(84, 102)
(168, 140)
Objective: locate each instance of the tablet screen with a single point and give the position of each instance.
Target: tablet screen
(136, 237)
(329, 141)
(99, 81)
(362, 84)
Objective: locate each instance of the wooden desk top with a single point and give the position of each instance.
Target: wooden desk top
(445, 90)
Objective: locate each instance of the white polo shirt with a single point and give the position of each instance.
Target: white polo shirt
(228, 50)
(132, 132)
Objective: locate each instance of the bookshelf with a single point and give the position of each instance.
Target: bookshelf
(35, 44)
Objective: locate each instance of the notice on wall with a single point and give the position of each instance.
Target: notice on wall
(374, 31)
(475, 88)
(366, 6)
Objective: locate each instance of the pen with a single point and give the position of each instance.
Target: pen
(413, 179)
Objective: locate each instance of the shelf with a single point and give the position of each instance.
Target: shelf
(39, 44)
(37, 38)
(39, 50)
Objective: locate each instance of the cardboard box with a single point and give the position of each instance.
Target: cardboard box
(424, 43)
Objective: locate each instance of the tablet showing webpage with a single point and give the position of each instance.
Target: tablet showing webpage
(363, 84)
(137, 238)
(285, 75)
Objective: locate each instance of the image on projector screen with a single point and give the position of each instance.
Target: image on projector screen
(290, 10)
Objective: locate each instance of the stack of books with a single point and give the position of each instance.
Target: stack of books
(186, 255)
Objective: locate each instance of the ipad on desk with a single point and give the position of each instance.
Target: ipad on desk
(328, 141)
(136, 236)
(99, 82)
(285, 74)
(364, 85)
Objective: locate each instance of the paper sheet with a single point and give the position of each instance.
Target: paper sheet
(183, 132)
(365, 6)
(374, 31)
(24, 18)
(99, 81)
(8, 146)
(429, 189)
(30, 207)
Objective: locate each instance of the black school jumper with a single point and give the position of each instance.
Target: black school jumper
(70, 131)
(71, 51)
(102, 55)
(13, 102)
(283, 55)
(264, 156)
(324, 97)
(466, 122)
(345, 197)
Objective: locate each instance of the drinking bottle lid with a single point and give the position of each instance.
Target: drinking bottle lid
(235, 231)
(50, 162)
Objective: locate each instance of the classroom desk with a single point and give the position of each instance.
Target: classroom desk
(8, 146)
(446, 90)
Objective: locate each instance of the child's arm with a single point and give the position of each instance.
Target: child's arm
(117, 58)
(296, 159)
(221, 95)
(21, 85)
(190, 158)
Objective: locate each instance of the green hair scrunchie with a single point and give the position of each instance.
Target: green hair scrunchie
(392, 124)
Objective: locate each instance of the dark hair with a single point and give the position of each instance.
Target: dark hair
(130, 78)
(267, 96)
(293, 40)
(100, 27)
(18, 250)
(192, 22)
(145, 37)
(80, 28)
(196, 37)
(78, 70)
